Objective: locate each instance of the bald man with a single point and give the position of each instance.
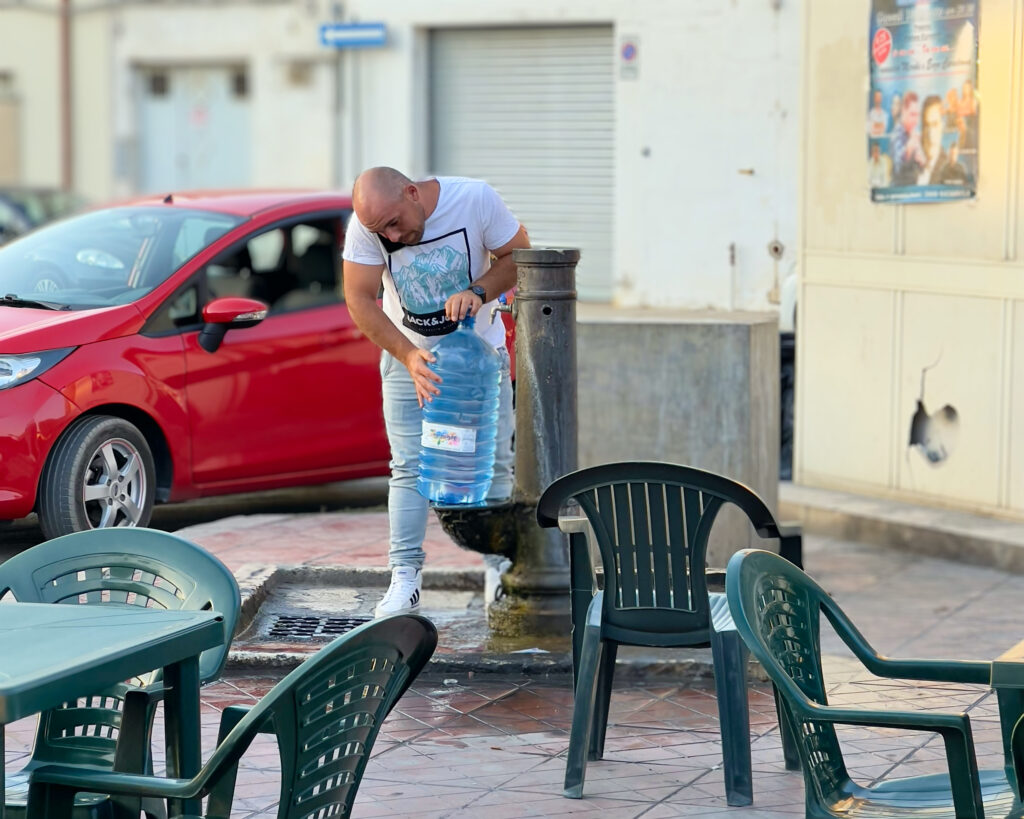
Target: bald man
(443, 250)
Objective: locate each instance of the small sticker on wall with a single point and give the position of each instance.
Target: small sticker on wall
(629, 57)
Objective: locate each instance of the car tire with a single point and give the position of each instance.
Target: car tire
(48, 279)
(100, 473)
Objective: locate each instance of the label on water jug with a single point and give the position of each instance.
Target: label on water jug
(448, 438)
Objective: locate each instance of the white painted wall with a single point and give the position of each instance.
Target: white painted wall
(29, 52)
(889, 290)
(706, 158)
(706, 162)
(293, 123)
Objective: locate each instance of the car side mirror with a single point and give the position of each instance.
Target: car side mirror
(229, 313)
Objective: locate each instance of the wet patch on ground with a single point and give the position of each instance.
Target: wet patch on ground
(290, 613)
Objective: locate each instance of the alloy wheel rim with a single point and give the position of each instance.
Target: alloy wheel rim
(114, 488)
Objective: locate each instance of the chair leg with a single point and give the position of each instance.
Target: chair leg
(790, 752)
(583, 712)
(729, 656)
(605, 675)
(49, 801)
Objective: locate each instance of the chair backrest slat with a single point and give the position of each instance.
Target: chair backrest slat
(643, 551)
(661, 552)
(625, 548)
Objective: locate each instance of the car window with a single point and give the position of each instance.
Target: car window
(106, 257)
(197, 232)
(179, 312)
(289, 267)
(265, 250)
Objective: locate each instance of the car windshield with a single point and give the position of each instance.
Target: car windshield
(107, 257)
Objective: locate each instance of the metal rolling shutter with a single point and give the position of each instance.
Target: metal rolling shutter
(531, 110)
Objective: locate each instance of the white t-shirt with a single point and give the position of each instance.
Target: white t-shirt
(469, 221)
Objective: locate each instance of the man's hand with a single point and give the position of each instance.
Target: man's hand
(424, 378)
(463, 303)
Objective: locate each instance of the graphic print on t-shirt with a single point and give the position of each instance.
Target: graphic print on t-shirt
(425, 275)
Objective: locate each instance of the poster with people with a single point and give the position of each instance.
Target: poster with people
(923, 103)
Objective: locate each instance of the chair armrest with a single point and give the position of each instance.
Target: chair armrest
(229, 718)
(955, 730)
(978, 672)
(222, 793)
(958, 671)
(791, 542)
(572, 524)
(101, 780)
(131, 754)
(911, 720)
(715, 580)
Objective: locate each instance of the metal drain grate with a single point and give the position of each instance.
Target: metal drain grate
(286, 626)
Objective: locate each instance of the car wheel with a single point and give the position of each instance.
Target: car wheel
(48, 280)
(99, 474)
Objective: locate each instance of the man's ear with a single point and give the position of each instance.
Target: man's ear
(412, 192)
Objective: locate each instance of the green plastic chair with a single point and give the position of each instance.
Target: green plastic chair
(122, 566)
(777, 610)
(651, 522)
(326, 715)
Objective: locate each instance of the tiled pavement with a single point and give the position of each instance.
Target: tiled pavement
(491, 746)
(495, 748)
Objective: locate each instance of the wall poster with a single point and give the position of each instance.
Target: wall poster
(923, 102)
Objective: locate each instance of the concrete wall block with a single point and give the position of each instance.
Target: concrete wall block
(702, 390)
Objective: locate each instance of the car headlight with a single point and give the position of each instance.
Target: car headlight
(17, 369)
(94, 257)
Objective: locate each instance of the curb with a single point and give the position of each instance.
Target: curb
(258, 581)
(927, 531)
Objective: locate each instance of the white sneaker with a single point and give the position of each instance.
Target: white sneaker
(493, 590)
(403, 595)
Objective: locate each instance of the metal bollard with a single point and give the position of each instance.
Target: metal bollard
(537, 587)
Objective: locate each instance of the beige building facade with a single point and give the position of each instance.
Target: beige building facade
(910, 315)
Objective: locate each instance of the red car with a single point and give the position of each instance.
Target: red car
(120, 387)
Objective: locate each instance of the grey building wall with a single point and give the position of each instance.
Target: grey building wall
(700, 389)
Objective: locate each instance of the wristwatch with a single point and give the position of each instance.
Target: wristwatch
(478, 290)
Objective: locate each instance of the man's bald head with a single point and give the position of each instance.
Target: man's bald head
(387, 202)
(376, 187)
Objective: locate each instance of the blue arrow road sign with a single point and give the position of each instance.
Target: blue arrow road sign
(353, 35)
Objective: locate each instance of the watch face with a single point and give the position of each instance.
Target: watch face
(476, 288)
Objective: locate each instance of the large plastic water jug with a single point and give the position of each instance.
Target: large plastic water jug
(460, 425)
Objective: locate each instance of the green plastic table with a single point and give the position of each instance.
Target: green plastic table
(51, 654)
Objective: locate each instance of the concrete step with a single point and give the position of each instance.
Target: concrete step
(924, 530)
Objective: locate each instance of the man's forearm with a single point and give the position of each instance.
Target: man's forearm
(373, 321)
(499, 278)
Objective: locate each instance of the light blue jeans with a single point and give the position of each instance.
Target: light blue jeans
(407, 508)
